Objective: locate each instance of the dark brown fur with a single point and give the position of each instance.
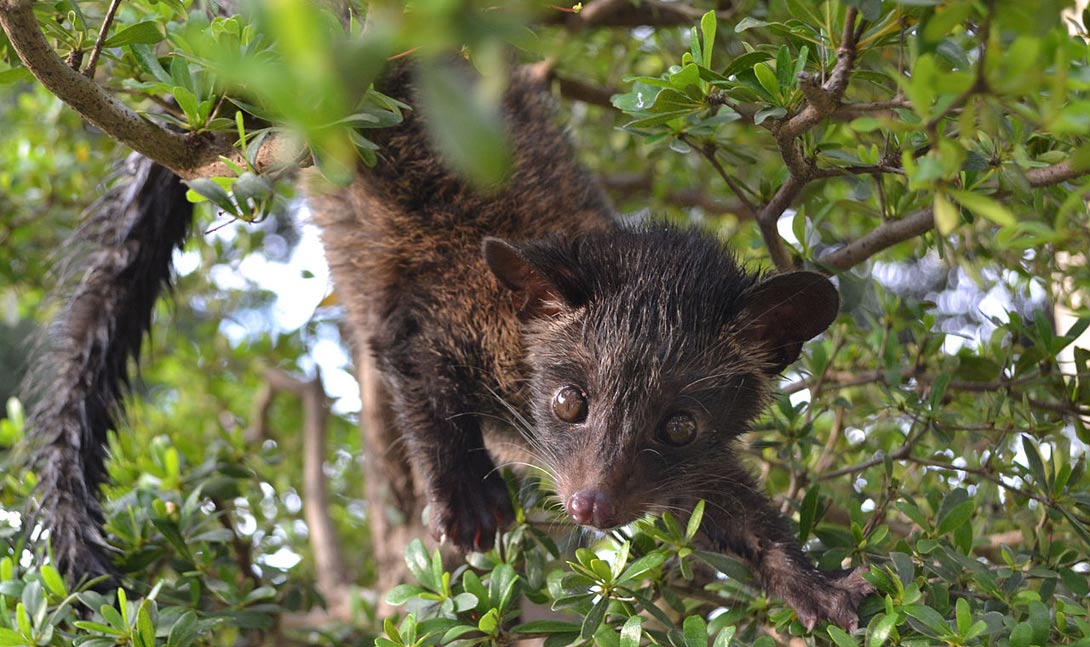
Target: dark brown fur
(645, 322)
(114, 269)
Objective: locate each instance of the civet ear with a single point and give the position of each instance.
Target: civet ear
(533, 295)
(782, 312)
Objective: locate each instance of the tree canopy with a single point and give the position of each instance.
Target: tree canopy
(930, 155)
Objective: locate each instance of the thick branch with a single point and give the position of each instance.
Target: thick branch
(1054, 174)
(854, 109)
(189, 155)
(822, 101)
(625, 13)
(708, 151)
(577, 90)
(769, 217)
(887, 234)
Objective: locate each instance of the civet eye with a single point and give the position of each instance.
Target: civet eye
(678, 430)
(570, 404)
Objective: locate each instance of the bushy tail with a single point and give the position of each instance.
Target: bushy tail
(119, 264)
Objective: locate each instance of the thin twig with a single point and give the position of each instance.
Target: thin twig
(708, 150)
(902, 452)
(979, 473)
(92, 62)
(640, 184)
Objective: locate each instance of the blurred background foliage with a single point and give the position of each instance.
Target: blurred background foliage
(937, 432)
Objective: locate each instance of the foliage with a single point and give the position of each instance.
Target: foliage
(937, 433)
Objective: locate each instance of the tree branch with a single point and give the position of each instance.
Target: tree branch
(92, 62)
(885, 235)
(1054, 174)
(328, 556)
(823, 100)
(708, 151)
(872, 106)
(625, 13)
(577, 90)
(189, 155)
(769, 217)
(640, 184)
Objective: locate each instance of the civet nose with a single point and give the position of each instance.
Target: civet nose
(592, 508)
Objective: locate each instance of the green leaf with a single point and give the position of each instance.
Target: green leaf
(594, 618)
(880, 629)
(748, 23)
(784, 69)
(800, 64)
(745, 62)
(187, 101)
(641, 566)
(765, 113)
(930, 618)
(631, 632)
(145, 628)
(148, 62)
(9, 638)
(807, 513)
(938, 390)
(419, 563)
(489, 622)
(724, 637)
(728, 566)
(956, 516)
(16, 75)
(466, 127)
(707, 28)
(249, 187)
(1036, 465)
(947, 217)
(180, 74)
(184, 631)
(695, 631)
(403, 593)
(767, 78)
(53, 581)
(694, 520)
(940, 23)
(1021, 635)
(841, 637)
(112, 616)
(142, 33)
(984, 206)
(457, 631)
(501, 586)
(963, 616)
